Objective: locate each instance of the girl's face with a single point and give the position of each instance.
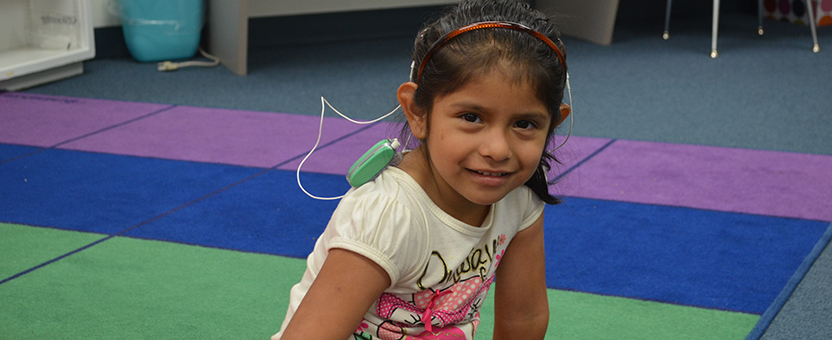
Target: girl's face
(485, 140)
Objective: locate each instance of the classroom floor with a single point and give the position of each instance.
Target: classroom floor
(134, 215)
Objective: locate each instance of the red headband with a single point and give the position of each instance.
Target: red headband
(488, 24)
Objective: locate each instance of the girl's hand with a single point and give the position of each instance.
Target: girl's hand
(342, 293)
(521, 304)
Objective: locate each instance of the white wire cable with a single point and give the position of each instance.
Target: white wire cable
(324, 104)
(172, 66)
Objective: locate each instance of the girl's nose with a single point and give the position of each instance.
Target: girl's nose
(496, 146)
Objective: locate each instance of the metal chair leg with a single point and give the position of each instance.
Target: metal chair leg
(714, 53)
(715, 30)
(666, 34)
(815, 47)
(760, 17)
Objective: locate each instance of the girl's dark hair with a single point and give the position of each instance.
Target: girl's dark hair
(476, 52)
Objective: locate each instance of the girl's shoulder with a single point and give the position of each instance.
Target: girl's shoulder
(523, 196)
(392, 186)
(381, 221)
(385, 197)
(521, 205)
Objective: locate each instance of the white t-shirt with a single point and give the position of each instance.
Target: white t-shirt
(435, 262)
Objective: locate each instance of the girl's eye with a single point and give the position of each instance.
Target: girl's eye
(470, 117)
(525, 124)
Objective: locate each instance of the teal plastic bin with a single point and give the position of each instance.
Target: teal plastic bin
(157, 30)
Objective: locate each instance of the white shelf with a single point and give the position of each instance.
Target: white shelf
(22, 64)
(228, 20)
(281, 8)
(23, 61)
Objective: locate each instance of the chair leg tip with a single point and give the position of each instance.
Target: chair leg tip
(666, 35)
(760, 30)
(816, 48)
(714, 54)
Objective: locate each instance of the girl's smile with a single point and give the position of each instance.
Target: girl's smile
(479, 143)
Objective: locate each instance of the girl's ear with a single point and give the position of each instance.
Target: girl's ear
(565, 110)
(415, 117)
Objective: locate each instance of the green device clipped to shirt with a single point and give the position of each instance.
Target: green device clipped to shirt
(373, 162)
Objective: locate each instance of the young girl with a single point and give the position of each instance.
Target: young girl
(412, 254)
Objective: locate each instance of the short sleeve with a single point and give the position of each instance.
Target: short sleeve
(381, 229)
(531, 205)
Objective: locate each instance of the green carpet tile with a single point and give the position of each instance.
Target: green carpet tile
(577, 316)
(138, 289)
(142, 289)
(24, 247)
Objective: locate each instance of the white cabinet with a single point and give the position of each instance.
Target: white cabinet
(43, 41)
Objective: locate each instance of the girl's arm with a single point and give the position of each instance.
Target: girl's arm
(521, 305)
(343, 291)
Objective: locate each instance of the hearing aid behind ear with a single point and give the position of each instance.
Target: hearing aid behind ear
(373, 162)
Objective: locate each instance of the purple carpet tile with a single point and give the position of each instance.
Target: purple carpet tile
(337, 158)
(566, 172)
(40, 120)
(245, 138)
(724, 179)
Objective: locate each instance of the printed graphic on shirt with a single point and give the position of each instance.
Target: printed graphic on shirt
(478, 262)
(453, 298)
